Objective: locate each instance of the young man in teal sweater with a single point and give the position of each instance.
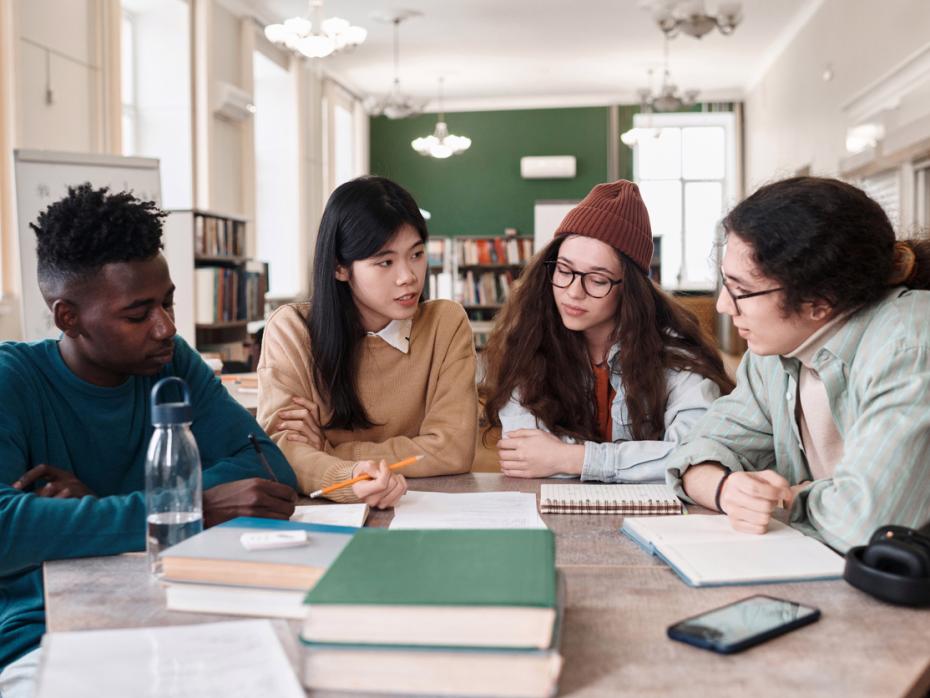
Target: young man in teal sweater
(75, 419)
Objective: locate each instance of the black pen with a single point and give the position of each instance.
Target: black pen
(261, 456)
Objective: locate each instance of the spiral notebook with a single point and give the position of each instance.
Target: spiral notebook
(608, 499)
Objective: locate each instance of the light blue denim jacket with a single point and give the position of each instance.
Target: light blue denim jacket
(623, 459)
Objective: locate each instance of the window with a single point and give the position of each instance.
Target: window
(128, 77)
(156, 92)
(685, 165)
(922, 197)
(277, 175)
(345, 137)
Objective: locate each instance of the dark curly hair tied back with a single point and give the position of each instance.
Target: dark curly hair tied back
(823, 239)
(89, 228)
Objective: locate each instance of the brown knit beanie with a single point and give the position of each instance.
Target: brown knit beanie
(614, 213)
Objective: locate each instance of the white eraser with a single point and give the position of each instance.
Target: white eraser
(275, 539)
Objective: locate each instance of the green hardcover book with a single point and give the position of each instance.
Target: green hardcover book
(474, 588)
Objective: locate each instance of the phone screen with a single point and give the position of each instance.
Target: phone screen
(742, 624)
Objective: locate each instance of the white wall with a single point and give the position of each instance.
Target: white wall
(56, 47)
(794, 119)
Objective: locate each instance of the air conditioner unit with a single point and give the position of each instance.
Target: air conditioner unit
(548, 167)
(232, 103)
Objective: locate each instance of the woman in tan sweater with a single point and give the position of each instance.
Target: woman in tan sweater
(366, 371)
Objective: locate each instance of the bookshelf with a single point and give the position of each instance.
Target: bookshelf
(484, 269)
(220, 289)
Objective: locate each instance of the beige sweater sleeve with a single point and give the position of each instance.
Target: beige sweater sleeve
(447, 434)
(283, 373)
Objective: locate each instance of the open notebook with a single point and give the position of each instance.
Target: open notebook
(608, 499)
(706, 551)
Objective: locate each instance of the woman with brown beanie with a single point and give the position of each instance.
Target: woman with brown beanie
(831, 412)
(591, 370)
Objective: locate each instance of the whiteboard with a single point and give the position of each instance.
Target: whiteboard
(43, 177)
(547, 215)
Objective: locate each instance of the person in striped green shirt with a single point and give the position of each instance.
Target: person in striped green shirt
(830, 417)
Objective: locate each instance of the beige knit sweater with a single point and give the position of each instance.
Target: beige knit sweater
(422, 402)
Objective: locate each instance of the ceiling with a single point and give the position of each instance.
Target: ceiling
(515, 53)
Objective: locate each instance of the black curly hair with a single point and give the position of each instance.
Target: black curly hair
(89, 228)
(824, 239)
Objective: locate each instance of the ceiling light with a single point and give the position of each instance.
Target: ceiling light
(667, 98)
(299, 34)
(396, 105)
(690, 17)
(440, 143)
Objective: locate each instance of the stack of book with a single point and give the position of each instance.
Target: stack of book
(213, 572)
(441, 612)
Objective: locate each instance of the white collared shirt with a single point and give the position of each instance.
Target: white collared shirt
(396, 333)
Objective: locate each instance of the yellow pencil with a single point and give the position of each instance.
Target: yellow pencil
(345, 483)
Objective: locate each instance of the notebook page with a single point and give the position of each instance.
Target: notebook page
(762, 559)
(698, 528)
(238, 659)
(467, 510)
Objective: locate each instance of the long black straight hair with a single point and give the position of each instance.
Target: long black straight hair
(360, 218)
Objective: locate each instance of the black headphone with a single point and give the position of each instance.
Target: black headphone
(894, 566)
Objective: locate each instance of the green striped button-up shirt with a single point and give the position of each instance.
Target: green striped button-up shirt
(876, 371)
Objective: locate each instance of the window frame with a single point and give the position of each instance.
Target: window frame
(729, 188)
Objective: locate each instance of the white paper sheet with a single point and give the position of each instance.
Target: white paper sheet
(237, 659)
(332, 514)
(467, 510)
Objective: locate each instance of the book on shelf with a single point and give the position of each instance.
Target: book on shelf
(436, 670)
(704, 550)
(436, 252)
(218, 237)
(576, 498)
(440, 285)
(230, 294)
(448, 588)
(488, 288)
(493, 251)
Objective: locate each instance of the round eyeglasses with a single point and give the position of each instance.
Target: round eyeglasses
(734, 297)
(593, 283)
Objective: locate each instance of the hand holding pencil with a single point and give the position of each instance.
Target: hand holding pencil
(375, 484)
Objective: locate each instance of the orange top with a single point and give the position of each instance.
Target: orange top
(604, 397)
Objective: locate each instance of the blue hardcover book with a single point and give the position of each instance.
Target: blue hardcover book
(706, 551)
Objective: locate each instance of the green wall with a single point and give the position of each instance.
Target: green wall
(480, 192)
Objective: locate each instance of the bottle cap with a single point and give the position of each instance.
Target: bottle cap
(167, 413)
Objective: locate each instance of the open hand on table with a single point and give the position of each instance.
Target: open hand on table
(537, 453)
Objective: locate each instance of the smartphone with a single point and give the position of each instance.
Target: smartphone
(737, 626)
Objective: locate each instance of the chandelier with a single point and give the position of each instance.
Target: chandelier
(396, 105)
(313, 36)
(691, 18)
(667, 98)
(440, 143)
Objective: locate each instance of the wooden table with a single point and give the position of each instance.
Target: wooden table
(619, 603)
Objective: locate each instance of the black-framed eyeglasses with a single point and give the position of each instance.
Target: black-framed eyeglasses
(742, 296)
(595, 284)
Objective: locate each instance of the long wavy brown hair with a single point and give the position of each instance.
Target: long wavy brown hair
(533, 355)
